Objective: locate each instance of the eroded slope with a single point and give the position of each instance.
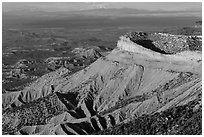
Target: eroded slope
(129, 82)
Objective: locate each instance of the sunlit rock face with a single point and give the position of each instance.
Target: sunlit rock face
(130, 81)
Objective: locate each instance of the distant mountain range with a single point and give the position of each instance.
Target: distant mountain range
(115, 12)
(136, 12)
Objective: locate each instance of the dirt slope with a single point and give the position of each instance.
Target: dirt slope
(127, 83)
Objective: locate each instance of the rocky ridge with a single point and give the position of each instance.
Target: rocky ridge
(166, 43)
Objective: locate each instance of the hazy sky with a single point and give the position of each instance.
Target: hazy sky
(92, 5)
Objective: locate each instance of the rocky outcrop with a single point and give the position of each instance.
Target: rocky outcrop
(19, 70)
(90, 53)
(81, 59)
(166, 43)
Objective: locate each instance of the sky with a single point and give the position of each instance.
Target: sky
(71, 6)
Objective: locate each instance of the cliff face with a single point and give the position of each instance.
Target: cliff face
(128, 45)
(129, 82)
(166, 43)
